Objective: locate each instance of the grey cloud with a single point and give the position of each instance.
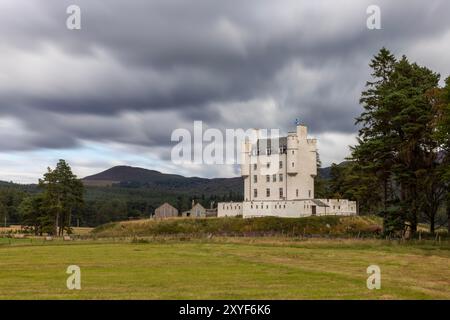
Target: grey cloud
(170, 62)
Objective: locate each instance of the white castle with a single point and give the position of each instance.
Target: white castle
(279, 180)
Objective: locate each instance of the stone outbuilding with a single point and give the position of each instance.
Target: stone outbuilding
(166, 211)
(197, 211)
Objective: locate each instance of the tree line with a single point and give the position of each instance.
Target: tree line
(60, 202)
(399, 168)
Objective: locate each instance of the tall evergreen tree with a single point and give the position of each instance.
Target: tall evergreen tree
(441, 101)
(375, 152)
(63, 193)
(412, 123)
(395, 143)
(320, 188)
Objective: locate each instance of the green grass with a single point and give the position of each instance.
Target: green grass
(226, 268)
(325, 225)
(13, 241)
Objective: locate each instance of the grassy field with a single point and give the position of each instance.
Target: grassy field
(225, 268)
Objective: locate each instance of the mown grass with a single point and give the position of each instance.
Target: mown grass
(227, 268)
(325, 225)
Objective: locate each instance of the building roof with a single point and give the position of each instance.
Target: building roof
(198, 204)
(263, 144)
(166, 204)
(319, 203)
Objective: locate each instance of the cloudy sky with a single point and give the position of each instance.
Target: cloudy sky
(113, 92)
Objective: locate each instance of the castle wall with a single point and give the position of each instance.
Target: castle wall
(288, 209)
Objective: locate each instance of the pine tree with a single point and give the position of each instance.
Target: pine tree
(320, 188)
(374, 152)
(441, 101)
(63, 193)
(395, 143)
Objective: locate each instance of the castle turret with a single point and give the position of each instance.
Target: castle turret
(245, 158)
(292, 154)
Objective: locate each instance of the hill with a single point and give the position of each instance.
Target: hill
(132, 174)
(127, 176)
(325, 173)
(267, 226)
(132, 177)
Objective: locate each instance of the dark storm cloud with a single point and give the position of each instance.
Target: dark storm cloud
(139, 69)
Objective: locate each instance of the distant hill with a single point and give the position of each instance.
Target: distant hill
(128, 176)
(6, 183)
(132, 174)
(133, 177)
(325, 173)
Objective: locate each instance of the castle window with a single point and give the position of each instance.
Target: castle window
(280, 177)
(255, 178)
(267, 192)
(269, 151)
(281, 192)
(267, 178)
(268, 164)
(255, 166)
(296, 193)
(293, 164)
(274, 178)
(267, 207)
(281, 164)
(309, 193)
(292, 151)
(255, 193)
